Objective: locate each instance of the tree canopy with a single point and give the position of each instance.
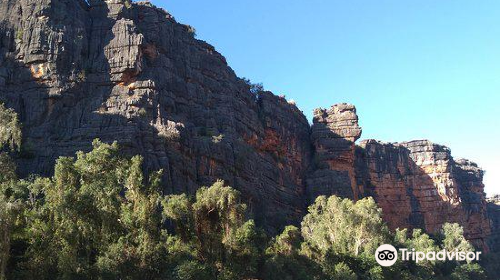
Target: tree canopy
(99, 217)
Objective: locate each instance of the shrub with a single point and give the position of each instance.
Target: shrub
(191, 30)
(254, 87)
(128, 4)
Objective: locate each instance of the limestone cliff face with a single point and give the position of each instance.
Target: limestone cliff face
(116, 70)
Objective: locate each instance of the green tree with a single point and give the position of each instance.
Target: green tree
(341, 236)
(7, 169)
(344, 227)
(9, 213)
(192, 270)
(10, 129)
(419, 240)
(453, 238)
(98, 218)
(215, 228)
(470, 271)
(140, 251)
(10, 206)
(341, 271)
(284, 259)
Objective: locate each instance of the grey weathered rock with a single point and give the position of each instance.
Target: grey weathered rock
(333, 134)
(129, 72)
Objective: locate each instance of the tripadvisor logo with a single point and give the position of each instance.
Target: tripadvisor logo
(387, 255)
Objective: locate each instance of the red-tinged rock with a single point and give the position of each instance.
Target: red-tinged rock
(78, 70)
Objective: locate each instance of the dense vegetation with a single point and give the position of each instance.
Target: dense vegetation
(99, 218)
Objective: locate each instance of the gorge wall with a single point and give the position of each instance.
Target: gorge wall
(123, 71)
(416, 183)
(494, 214)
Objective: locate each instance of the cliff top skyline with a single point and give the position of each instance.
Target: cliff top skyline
(131, 149)
(414, 71)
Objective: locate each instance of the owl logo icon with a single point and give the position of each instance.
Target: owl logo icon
(386, 255)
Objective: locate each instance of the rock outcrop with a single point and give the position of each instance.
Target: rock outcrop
(333, 134)
(494, 215)
(419, 184)
(116, 70)
(123, 71)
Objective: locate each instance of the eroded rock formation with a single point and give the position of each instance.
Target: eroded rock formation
(416, 183)
(333, 134)
(419, 184)
(494, 215)
(116, 70)
(129, 72)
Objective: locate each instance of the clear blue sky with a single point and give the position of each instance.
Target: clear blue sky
(422, 69)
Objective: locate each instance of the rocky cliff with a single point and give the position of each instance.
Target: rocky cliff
(419, 184)
(494, 214)
(416, 183)
(117, 70)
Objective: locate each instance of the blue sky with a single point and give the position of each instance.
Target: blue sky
(414, 69)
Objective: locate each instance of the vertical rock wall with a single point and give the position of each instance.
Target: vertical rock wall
(115, 70)
(417, 183)
(333, 134)
(494, 215)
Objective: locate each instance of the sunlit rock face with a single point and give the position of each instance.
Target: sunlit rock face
(416, 183)
(419, 184)
(75, 70)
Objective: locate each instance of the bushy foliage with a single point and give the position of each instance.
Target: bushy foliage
(451, 239)
(10, 129)
(344, 227)
(215, 230)
(472, 271)
(284, 259)
(98, 217)
(254, 87)
(10, 206)
(452, 236)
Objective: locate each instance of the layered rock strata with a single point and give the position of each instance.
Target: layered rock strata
(123, 71)
(416, 183)
(419, 184)
(333, 134)
(494, 215)
(75, 70)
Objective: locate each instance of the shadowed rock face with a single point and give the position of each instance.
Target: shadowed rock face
(494, 215)
(333, 134)
(129, 72)
(75, 71)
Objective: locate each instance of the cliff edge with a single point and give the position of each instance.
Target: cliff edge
(116, 70)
